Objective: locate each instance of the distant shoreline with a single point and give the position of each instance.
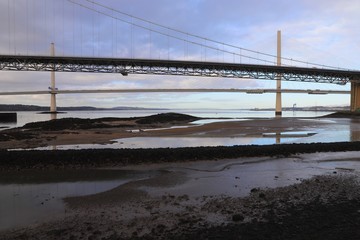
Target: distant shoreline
(34, 108)
(312, 109)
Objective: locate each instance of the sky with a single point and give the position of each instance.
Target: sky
(314, 31)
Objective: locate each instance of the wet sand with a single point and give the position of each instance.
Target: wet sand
(31, 138)
(325, 206)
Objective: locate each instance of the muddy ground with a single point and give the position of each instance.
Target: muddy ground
(324, 207)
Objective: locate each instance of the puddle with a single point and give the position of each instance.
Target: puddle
(237, 177)
(194, 124)
(31, 197)
(207, 121)
(289, 134)
(179, 142)
(174, 142)
(157, 129)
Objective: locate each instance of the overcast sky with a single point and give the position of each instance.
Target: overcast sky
(316, 31)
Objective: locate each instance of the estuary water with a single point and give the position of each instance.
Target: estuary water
(337, 130)
(343, 132)
(26, 117)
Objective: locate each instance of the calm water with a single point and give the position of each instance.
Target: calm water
(26, 117)
(37, 195)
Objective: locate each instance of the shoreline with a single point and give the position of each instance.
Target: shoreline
(105, 130)
(94, 158)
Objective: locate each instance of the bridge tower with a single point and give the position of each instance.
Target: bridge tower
(52, 87)
(355, 96)
(278, 109)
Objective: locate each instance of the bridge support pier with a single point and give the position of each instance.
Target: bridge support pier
(52, 87)
(278, 108)
(355, 96)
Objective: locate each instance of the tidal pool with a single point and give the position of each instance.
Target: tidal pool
(178, 142)
(30, 197)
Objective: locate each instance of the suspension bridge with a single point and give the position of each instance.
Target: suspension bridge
(208, 65)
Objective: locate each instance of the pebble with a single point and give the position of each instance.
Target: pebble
(238, 217)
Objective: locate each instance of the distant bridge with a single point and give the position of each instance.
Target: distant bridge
(232, 90)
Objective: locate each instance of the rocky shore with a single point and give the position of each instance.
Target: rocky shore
(324, 207)
(90, 158)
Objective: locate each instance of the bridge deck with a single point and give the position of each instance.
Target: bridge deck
(174, 67)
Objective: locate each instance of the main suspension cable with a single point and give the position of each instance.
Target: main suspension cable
(204, 39)
(212, 40)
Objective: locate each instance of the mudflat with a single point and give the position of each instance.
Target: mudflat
(102, 131)
(324, 206)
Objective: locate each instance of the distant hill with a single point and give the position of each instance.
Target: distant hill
(20, 107)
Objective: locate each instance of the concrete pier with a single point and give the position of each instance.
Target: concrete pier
(355, 96)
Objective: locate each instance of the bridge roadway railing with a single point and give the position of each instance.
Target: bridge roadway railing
(175, 67)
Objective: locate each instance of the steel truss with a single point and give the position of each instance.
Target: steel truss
(174, 67)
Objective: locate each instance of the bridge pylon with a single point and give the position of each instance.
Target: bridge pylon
(355, 96)
(278, 108)
(52, 87)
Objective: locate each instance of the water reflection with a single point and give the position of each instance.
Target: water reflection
(30, 196)
(26, 117)
(339, 130)
(330, 130)
(178, 142)
(278, 137)
(237, 177)
(354, 129)
(53, 116)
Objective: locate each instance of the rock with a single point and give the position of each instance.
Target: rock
(262, 195)
(238, 217)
